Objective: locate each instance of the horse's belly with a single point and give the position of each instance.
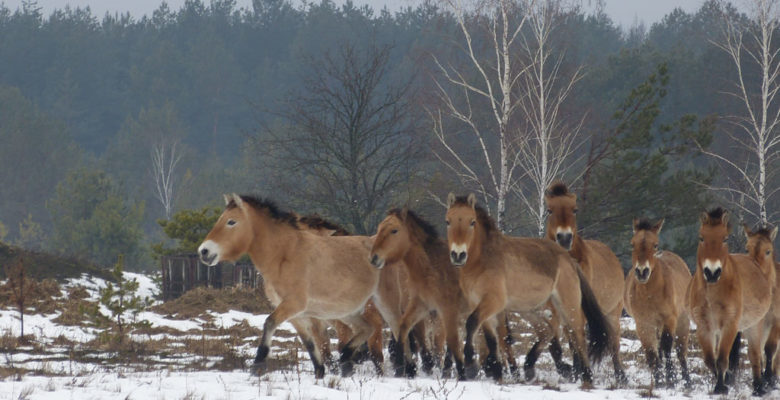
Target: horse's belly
(528, 295)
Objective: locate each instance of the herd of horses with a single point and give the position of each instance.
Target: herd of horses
(567, 288)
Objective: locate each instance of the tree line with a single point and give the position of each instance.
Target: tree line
(112, 124)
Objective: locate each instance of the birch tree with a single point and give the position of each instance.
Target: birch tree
(753, 49)
(518, 81)
(165, 158)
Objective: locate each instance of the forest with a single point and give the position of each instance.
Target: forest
(113, 128)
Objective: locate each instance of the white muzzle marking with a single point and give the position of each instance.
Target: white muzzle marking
(209, 253)
(712, 266)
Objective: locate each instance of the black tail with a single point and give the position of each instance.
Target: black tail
(599, 330)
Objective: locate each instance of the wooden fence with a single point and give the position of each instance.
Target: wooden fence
(184, 272)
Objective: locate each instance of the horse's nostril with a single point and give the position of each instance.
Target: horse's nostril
(454, 255)
(462, 255)
(204, 252)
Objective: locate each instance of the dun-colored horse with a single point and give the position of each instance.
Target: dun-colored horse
(655, 297)
(599, 265)
(729, 293)
(306, 275)
(433, 283)
(500, 272)
(761, 249)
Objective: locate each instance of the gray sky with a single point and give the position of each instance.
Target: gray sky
(624, 12)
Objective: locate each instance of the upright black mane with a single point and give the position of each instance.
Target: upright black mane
(426, 228)
(765, 231)
(315, 221)
(715, 216)
(261, 204)
(484, 219)
(644, 224)
(558, 188)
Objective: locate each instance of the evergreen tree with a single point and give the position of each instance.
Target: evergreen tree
(188, 229)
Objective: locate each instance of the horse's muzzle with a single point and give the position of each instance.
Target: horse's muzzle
(377, 261)
(712, 276)
(458, 258)
(564, 239)
(642, 275)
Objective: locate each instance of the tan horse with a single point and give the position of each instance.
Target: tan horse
(729, 293)
(599, 265)
(392, 273)
(655, 297)
(761, 249)
(500, 272)
(306, 275)
(434, 285)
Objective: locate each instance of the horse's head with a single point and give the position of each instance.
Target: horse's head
(713, 250)
(561, 214)
(760, 244)
(644, 246)
(231, 236)
(462, 227)
(391, 241)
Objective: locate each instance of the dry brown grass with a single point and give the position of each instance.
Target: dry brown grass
(196, 302)
(40, 297)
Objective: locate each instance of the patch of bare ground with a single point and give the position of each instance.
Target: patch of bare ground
(196, 302)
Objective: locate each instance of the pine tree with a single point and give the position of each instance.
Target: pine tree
(123, 303)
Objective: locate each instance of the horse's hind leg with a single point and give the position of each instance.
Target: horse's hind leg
(307, 330)
(419, 332)
(506, 340)
(376, 339)
(754, 337)
(681, 347)
(544, 333)
(734, 360)
(405, 364)
(284, 311)
(614, 320)
(770, 348)
(361, 331)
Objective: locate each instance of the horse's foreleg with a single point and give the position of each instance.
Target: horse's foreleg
(728, 334)
(286, 310)
(544, 333)
(415, 311)
(754, 337)
(307, 330)
(667, 339)
(770, 349)
(375, 341)
(506, 340)
(451, 321)
(319, 331)
(492, 365)
(361, 330)
(419, 333)
(681, 347)
(649, 340)
(487, 308)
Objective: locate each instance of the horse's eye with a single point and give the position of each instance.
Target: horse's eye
(549, 211)
(394, 231)
(472, 223)
(448, 222)
(768, 252)
(725, 239)
(575, 210)
(701, 239)
(655, 246)
(231, 222)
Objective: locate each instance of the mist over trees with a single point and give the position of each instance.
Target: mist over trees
(95, 109)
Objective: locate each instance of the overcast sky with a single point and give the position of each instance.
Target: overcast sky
(624, 12)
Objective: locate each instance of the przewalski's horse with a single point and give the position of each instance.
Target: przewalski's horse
(598, 263)
(306, 275)
(500, 272)
(394, 289)
(655, 297)
(434, 285)
(760, 247)
(729, 293)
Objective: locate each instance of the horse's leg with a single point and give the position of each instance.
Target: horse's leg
(439, 339)
(361, 331)
(487, 308)
(419, 333)
(415, 311)
(574, 327)
(492, 365)
(770, 349)
(284, 311)
(506, 340)
(649, 340)
(614, 320)
(308, 333)
(728, 335)
(667, 339)
(319, 330)
(451, 320)
(683, 332)
(754, 337)
(734, 360)
(544, 332)
(373, 317)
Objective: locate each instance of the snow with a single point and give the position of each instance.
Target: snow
(55, 376)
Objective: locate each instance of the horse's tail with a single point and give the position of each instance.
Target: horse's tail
(599, 330)
(508, 339)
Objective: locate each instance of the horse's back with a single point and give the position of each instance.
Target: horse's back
(756, 290)
(530, 268)
(540, 256)
(678, 276)
(606, 274)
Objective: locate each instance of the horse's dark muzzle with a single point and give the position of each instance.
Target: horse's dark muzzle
(377, 261)
(710, 276)
(564, 239)
(458, 259)
(207, 258)
(642, 275)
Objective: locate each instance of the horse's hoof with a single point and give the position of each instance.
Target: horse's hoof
(493, 368)
(472, 370)
(258, 368)
(566, 372)
(729, 379)
(720, 389)
(514, 371)
(399, 371)
(428, 362)
(411, 370)
(530, 374)
(347, 369)
(319, 372)
(361, 354)
(620, 379)
(759, 388)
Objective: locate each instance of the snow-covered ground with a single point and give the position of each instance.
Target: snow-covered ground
(54, 374)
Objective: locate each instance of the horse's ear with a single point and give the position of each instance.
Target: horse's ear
(450, 199)
(634, 223)
(404, 213)
(773, 234)
(658, 225)
(472, 200)
(227, 199)
(704, 217)
(237, 199)
(746, 229)
(725, 219)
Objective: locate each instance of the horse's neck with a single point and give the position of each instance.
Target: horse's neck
(578, 248)
(273, 242)
(417, 261)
